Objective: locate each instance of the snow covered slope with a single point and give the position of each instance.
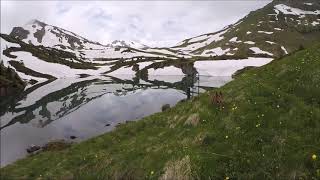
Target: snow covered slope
(131, 44)
(289, 25)
(40, 52)
(39, 33)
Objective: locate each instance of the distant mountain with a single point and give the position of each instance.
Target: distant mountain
(39, 33)
(279, 28)
(131, 44)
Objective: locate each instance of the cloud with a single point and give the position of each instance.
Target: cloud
(156, 23)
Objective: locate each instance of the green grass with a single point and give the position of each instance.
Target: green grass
(269, 128)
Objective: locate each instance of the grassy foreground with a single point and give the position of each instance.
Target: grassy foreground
(269, 128)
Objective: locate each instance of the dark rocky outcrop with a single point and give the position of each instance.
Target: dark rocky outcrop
(165, 107)
(19, 33)
(39, 34)
(33, 148)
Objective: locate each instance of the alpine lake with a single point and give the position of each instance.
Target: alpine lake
(75, 109)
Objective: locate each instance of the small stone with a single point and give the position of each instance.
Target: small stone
(108, 124)
(165, 107)
(33, 148)
(73, 137)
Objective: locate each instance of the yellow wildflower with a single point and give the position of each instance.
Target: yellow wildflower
(314, 157)
(151, 172)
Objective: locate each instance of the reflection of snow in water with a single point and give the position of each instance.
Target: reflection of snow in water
(83, 109)
(227, 67)
(87, 121)
(169, 79)
(214, 81)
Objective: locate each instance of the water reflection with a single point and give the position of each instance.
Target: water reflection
(82, 107)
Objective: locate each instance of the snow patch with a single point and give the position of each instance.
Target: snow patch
(265, 32)
(166, 71)
(4, 45)
(216, 51)
(250, 42)
(257, 50)
(211, 38)
(162, 51)
(314, 23)
(227, 67)
(270, 42)
(234, 39)
(198, 38)
(294, 11)
(169, 79)
(54, 69)
(309, 4)
(284, 49)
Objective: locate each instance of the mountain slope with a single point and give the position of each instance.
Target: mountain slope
(277, 29)
(268, 128)
(41, 34)
(280, 28)
(131, 44)
(38, 33)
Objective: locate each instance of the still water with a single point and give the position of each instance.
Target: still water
(87, 107)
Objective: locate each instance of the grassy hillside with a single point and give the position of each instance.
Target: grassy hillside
(268, 128)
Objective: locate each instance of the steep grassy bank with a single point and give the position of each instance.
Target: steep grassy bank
(268, 128)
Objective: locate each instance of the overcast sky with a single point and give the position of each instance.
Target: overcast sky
(154, 23)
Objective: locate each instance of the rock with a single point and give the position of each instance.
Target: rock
(183, 100)
(193, 120)
(73, 137)
(84, 75)
(165, 107)
(32, 81)
(33, 148)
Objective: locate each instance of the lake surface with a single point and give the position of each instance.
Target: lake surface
(87, 107)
